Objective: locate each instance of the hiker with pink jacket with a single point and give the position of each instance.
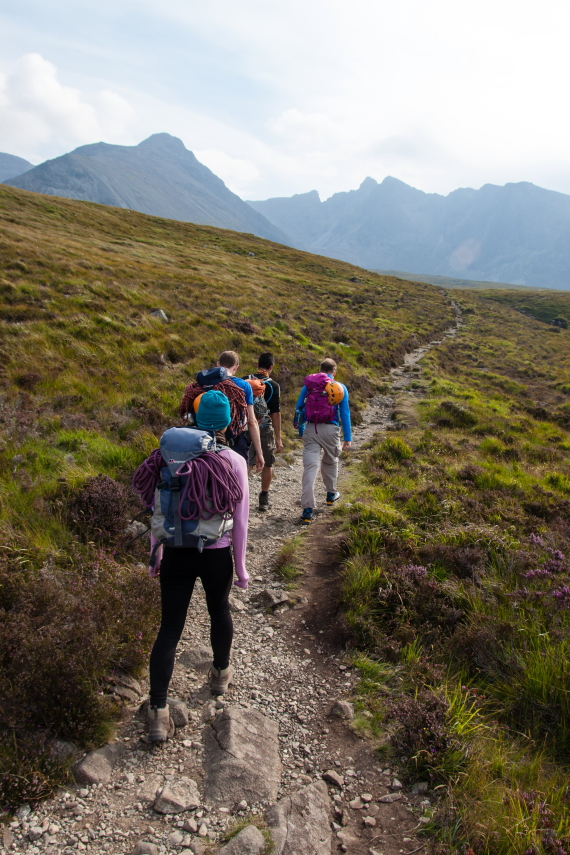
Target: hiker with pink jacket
(323, 407)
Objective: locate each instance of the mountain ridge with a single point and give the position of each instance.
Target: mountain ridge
(11, 166)
(159, 176)
(517, 233)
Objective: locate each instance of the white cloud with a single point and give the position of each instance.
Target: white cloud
(236, 173)
(39, 116)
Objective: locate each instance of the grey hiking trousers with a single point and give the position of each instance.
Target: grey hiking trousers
(315, 438)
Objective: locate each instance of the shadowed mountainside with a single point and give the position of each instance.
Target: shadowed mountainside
(11, 166)
(517, 233)
(159, 176)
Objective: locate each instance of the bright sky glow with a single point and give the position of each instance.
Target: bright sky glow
(282, 98)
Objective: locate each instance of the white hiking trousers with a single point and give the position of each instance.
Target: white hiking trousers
(315, 438)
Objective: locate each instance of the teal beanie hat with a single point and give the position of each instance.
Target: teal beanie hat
(213, 411)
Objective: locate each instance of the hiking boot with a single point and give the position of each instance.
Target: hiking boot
(332, 498)
(264, 503)
(160, 725)
(220, 679)
(307, 516)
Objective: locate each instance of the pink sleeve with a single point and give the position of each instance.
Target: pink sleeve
(241, 516)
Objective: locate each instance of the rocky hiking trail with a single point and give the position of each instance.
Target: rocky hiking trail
(277, 750)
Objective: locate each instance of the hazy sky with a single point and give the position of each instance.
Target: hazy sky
(280, 98)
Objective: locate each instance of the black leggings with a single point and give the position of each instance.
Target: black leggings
(178, 572)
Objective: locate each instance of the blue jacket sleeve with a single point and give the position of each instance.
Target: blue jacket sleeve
(344, 412)
(301, 399)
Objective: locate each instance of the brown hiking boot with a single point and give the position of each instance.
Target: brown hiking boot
(220, 679)
(160, 725)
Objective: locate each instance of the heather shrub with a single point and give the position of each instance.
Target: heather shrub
(62, 630)
(452, 415)
(97, 509)
(420, 732)
(392, 449)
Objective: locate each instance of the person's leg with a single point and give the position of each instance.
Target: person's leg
(216, 572)
(330, 440)
(177, 577)
(268, 448)
(311, 458)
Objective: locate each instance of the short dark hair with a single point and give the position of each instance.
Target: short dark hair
(228, 359)
(266, 360)
(328, 365)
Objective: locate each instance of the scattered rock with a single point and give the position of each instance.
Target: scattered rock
(356, 804)
(299, 823)
(148, 792)
(175, 839)
(251, 255)
(241, 757)
(250, 841)
(347, 838)
(369, 822)
(63, 750)
(35, 833)
(190, 825)
(178, 712)
(144, 847)
(389, 798)
(133, 530)
(7, 838)
(158, 313)
(97, 767)
(366, 797)
(203, 830)
(270, 598)
(343, 709)
(125, 694)
(333, 778)
(199, 658)
(178, 797)
(396, 785)
(420, 787)
(236, 605)
(209, 711)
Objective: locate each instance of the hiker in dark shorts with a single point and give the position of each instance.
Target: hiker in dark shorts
(269, 425)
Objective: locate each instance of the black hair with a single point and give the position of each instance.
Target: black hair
(266, 360)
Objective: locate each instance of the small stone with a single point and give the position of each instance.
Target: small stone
(148, 792)
(249, 841)
(369, 822)
(347, 838)
(209, 711)
(396, 785)
(342, 709)
(178, 797)
(175, 839)
(372, 810)
(203, 830)
(145, 847)
(332, 777)
(389, 798)
(158, 313)
(35, 833)
(198, 658)
(366, 797)
(97, 766)
(356, 804)
(420, 787)
(178, 712)
(242, 805)
(190, 825)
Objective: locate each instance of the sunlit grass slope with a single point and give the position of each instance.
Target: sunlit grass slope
(89, 377)
(457, 582)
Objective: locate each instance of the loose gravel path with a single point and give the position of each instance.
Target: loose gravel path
(290, 666)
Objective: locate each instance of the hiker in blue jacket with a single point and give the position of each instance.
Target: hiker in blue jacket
(325, 406)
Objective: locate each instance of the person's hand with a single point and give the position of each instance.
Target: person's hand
(259, 463)
(242, 583)
(278, 446)
(346, 445)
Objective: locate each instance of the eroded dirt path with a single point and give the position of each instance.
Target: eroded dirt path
(289, 665)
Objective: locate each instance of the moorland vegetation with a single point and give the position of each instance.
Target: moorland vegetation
(89, 378)
(457, 579)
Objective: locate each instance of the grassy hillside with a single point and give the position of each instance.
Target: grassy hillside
(457, 583)
(89, 378)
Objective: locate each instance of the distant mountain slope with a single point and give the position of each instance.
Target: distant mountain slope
(518, 233)
(11, 166)
(159, 176)
(452, 282)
